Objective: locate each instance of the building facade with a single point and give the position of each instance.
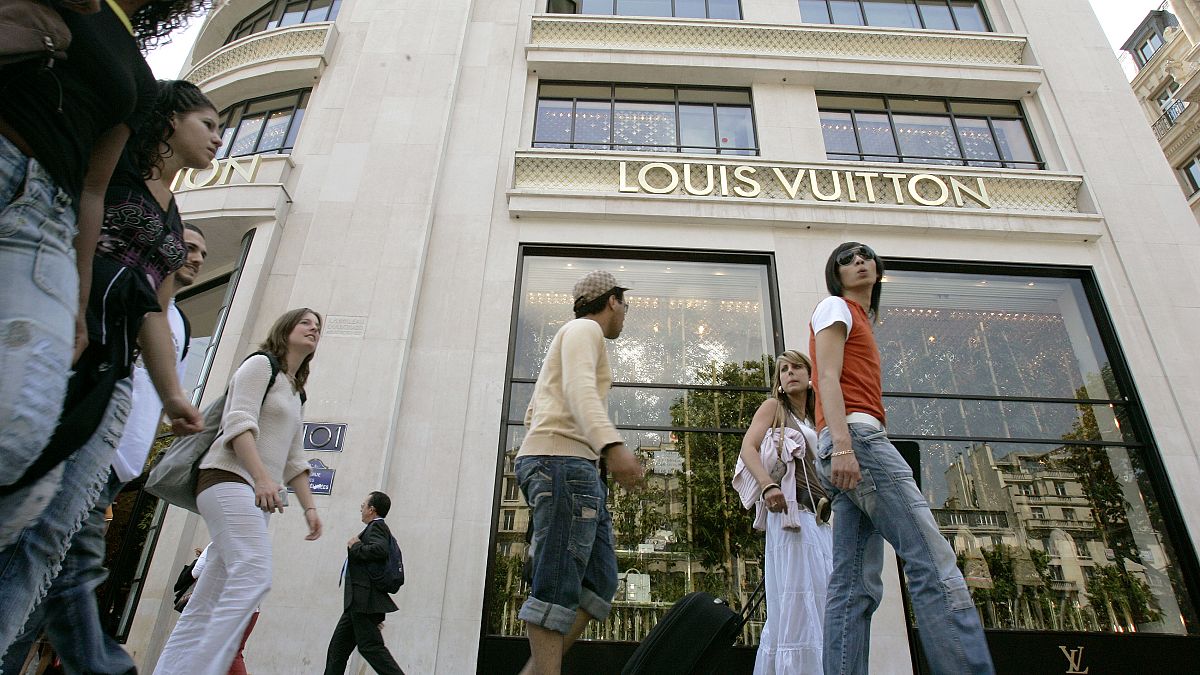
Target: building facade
(434, 178)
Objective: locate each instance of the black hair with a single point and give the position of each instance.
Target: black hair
(380, 502)
(596, 306)
(174, 97)
(159, 18)
(833, 282)
(193, 228)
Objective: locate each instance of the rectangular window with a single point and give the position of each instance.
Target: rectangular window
(262, 125)
(690, 368)
(280, 13)
(1191, 172)
(695, 9)
(510, 489)
(644, 118)
(965, 352)
(964, 132)
(509, 520)
(960, 15)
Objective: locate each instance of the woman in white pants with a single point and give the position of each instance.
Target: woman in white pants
(259, 447)
(775, 475)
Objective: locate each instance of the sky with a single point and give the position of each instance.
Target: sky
(1117, 17)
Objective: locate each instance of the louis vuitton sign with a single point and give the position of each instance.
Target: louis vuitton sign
(804, 184)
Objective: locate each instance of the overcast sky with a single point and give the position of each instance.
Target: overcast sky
(1118, 17)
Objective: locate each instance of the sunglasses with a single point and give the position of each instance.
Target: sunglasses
(846, 257)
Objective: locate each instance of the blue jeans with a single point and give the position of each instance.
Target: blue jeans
(574, 560)
(39, 298)
(886, 504)
(69, 613)
(28, 566)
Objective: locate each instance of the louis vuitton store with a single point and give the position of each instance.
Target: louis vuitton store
(434, 179)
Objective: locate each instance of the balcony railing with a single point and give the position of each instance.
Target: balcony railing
(1168, 119)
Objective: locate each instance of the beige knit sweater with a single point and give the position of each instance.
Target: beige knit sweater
(568, 414)
(275, 423)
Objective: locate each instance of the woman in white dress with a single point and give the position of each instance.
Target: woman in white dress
(775, 476)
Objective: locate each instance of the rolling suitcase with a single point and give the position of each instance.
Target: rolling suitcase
(692, 637)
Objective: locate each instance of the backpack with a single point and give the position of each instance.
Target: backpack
(173, 478)
(389, 576)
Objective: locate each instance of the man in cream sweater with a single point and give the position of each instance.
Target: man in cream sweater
(574, 562)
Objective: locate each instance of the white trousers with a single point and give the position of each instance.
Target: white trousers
(235, 579)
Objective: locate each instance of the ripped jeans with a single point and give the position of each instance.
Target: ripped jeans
(886, 505)
(574, 561)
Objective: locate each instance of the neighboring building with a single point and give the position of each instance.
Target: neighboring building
(434, 179)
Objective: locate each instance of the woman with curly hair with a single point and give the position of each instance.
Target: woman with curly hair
(260, 447)
(140, 247)
(63, 126)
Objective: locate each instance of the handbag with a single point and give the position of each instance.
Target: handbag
(32, 29)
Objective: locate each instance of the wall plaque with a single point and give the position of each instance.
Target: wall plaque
(344, 326)
(324, 436)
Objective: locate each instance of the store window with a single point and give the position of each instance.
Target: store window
(647, 118)
(1006, 378)
(279, 13)
(965, 15)
(262, 125)
(690, 368)
(964, 132)
(692, 9)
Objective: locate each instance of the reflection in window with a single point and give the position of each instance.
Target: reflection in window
(262, 125)
(965, 15)
(697, 9)
(644, 118)
(1027, 435)
(280, 13)
(690, 369)
(926, 131)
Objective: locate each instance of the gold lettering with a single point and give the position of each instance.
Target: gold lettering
(742, 174)
(189, 180)
(979, 195)
(670, 187)
(724, 182)
(791, 187)
(624, 185)
(687, 181)
(232, 165)
(850, 188)
(869, 183)
(816, 190)
(914, 191)
(896, 178)
(1074, 660)
(177, 181)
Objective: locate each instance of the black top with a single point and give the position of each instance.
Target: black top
(137, 232)
(104, 82)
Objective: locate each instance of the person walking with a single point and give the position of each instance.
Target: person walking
(874, 495)
(363, 604)
(775, 475)
(573, 556)
(259, 447)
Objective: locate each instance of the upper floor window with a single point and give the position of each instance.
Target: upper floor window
(933, 14)
(650, 118)
(968, 132)
(1147, 47)
(1191, 171)
(279, 13)
(267, 124)
(693, 9)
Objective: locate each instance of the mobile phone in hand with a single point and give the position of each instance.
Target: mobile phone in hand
(283, 498)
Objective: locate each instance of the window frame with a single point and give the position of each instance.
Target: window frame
(238, 111)
(707, 12)
(273, 12)
(1192, 177)
(612, 110)
(962, 160)
(862, 9)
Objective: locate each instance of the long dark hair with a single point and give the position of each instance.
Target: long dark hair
(175, 97)
(158, 18)
(833, 282)
(277, 342)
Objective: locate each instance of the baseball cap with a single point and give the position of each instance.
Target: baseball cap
(594, 285)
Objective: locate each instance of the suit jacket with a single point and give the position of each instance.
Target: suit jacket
(370, 551)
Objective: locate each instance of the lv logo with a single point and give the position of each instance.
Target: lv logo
(1074, 660)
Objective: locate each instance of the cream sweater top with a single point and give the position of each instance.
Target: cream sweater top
(568, 414)
(275, 423)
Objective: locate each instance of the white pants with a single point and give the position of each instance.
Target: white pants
(236, 578)
(798, 563)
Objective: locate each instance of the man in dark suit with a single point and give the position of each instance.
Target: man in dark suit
(364, 605)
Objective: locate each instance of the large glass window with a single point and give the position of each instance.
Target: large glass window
(284, 13)
(965, 15)
(970, 132)
(696, 9)
(689, 369)
(261, 125)
(1032, 454)
(650, 118)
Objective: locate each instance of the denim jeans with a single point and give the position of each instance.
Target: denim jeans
(574, 560)
(69, 613)
(886, 505)
(39, 298)
(29, 565)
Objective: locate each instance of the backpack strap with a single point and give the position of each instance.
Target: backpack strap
(187, 332)
(275, 369)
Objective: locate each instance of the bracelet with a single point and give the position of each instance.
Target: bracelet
(768, 487)
(311, 508)
(839, 453)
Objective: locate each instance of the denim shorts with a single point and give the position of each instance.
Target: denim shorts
(574, 560)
